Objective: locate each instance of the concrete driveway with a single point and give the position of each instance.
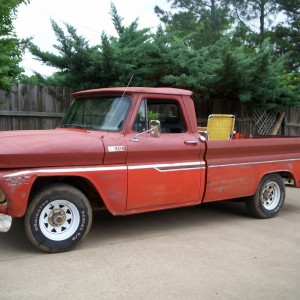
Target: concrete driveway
(213, 251)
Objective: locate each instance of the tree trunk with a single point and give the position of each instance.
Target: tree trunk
(262, 19)
(213, 16)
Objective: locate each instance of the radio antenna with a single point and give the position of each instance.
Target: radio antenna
(127, 85)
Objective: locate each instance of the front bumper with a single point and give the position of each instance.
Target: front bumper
(5, 222)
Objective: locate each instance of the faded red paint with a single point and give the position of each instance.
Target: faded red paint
(152, 174)
(236, 167)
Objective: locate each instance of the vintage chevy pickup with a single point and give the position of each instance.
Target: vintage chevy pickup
(133, 150)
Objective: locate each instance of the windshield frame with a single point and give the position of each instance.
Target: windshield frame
(120, 106)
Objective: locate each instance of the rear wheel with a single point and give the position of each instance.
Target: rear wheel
(269, 197)
(58, 218)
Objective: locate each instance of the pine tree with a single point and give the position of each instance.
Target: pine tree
(287, 35)
(198, 22)
(248, 12)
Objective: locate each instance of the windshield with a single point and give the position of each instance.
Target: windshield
(106, 113)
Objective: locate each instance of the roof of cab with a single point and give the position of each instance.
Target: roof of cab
(121, 90)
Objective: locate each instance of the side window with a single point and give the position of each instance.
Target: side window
(168, 112)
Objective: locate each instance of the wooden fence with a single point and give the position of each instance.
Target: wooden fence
(33, 107)
(36, 107)
(292, 121)
(244, 116)
(244, 120)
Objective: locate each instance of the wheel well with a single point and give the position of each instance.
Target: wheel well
(288, 177)
(84, 185)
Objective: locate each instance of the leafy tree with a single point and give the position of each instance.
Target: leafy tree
(35, 79)
(11, 48)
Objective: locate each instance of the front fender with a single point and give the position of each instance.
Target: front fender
(16, 188)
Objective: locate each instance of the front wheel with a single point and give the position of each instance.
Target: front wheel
(268, 199)
(58, 218)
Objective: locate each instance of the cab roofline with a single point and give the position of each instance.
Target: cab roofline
(121, 90)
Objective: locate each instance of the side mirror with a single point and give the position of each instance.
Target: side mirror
(155, 128)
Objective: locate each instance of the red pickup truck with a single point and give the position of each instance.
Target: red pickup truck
(133, 150)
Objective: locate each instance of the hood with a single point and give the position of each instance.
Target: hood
(49, 148)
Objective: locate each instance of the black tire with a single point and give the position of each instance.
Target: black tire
(58, 218)
(268, 199)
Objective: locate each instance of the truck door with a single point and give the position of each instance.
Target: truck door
(163, 171)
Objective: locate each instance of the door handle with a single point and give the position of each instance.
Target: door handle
(191, 142)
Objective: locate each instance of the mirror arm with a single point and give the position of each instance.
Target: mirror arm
(135, 138)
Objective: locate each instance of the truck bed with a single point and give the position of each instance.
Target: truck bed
(235, 167)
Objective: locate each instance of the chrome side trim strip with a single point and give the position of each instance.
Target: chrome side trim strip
(171, 167)
(158, 167)
(67, 170)
(254, 163)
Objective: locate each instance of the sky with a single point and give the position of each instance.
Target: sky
(89, 17)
